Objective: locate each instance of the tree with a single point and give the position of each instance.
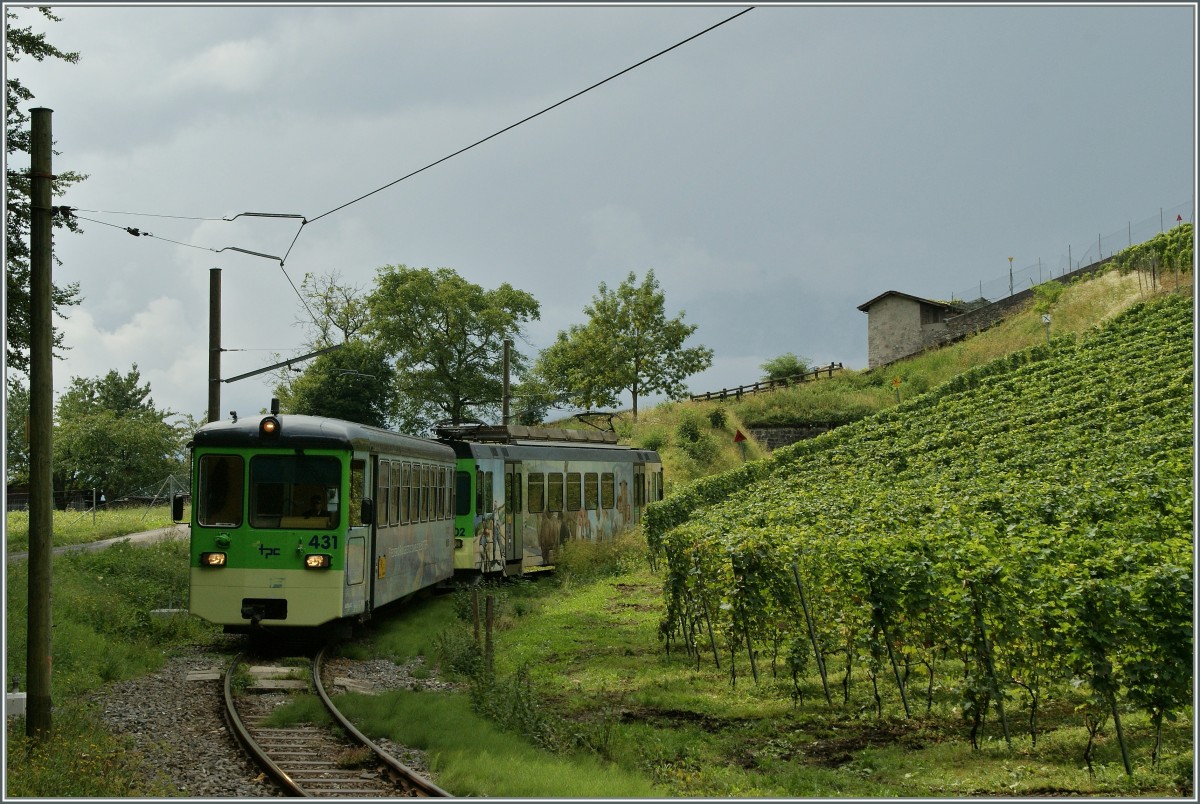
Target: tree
(16, 438)
(785, 367)
(24, 42)
(110, 436)
(353, 383)
(628, 344)
(446, 336)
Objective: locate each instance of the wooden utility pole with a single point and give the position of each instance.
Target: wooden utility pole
(41, 413)
(214, 344)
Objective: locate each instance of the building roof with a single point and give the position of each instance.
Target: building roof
(866, 305)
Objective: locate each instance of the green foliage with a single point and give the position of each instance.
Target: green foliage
(628, 344)
(19, 43)
(110, 436)
(16, 439)
(1032, 517)
(353, 383)
(446, 337)
(785, 367)
(102, 603)
(1167, 251)
(1046, 295)
(79, 760)
(718, 417)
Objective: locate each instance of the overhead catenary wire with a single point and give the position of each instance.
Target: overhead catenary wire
(304, 221)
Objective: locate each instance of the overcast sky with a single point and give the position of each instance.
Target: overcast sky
(775, 172)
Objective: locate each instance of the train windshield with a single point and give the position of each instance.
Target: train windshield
(220, 503)
(294, 491)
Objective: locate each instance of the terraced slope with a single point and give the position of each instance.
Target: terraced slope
(1022, 531)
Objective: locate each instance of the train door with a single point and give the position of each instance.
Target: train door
(515, 551)
(359, 556)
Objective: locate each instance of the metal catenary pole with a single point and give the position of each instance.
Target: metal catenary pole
(214, 344)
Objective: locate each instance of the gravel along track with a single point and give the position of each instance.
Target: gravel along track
(175, 721)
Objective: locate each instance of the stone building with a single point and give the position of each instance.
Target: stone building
(899, 325)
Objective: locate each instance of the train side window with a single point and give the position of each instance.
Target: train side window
(639, 489)
(574, 491)
(443, 476)
(519, 502)
(591, 491)
(381, 499)
(554, 491)
(397, 473)
(405, 487)
(659, 490)
(537, 492)
(221, 491)
(427, 482)
(608, 491)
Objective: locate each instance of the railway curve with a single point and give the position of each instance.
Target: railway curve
(311, 761)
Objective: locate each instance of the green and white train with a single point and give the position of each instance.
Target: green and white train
(301, 521)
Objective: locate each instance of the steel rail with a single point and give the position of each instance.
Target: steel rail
(243, 735)
(407, 776)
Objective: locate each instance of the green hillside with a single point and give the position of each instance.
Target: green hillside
(1020, 535)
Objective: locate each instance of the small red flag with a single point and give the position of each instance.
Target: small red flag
(738, 437)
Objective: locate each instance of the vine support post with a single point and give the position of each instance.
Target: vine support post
(986, 650)
(812, 635)
(707, 619)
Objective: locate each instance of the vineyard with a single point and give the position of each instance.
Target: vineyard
(1017, 540)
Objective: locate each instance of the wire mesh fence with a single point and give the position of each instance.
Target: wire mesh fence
(1078, 256)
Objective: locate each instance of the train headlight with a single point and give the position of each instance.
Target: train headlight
(268, 427)
(212, 559)
(317, 561)
(458, 543)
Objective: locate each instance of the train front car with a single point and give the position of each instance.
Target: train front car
(291, 521)
(523, 493)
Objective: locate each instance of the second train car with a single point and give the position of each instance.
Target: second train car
(522, 493)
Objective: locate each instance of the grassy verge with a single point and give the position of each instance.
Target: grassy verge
(581, 681)
(80, 527)
(103, 631)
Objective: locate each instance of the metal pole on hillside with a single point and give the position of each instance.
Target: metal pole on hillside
(41, 433)
(214, 344)
(505, 396)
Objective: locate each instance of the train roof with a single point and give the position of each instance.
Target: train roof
(315, 432)
(519, 441)
(520, 434)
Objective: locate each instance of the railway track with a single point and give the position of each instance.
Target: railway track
(308, 760)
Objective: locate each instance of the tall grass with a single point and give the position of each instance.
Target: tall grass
(81, 527)
(103, 631)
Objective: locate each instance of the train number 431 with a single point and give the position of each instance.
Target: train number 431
(324, 541)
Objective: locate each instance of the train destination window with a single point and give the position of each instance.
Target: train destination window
(220, 491)
(608, 493)
(574, 491)
(591, 491)
(294, 491)
(537, 493)
(554, 491)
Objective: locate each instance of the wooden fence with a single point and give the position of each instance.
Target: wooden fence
(768, 385)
